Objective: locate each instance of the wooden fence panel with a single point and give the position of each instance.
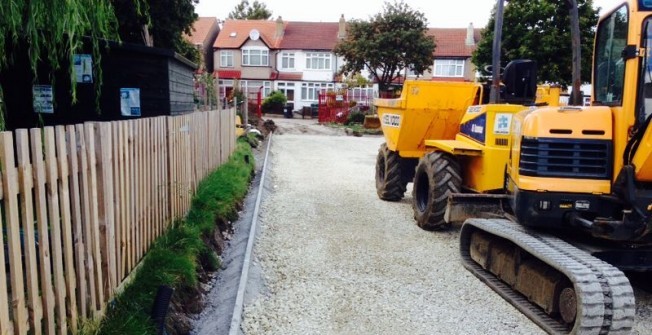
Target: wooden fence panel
(34, 303)
(12, 225)
(82, 204)
(78, 235)
(84, 176)
(54, 218)
(86, 131)
(106, 216)
(45, 268)
(66, 226)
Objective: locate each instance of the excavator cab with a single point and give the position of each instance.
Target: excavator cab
(520, 80)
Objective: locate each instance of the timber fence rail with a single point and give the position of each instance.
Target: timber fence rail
(80, 206)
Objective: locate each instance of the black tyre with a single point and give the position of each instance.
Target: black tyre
(390, 181)
(437, 175)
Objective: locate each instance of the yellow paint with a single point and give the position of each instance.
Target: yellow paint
(585, 123)
(548, 95)
(239, 127)
(425, 110)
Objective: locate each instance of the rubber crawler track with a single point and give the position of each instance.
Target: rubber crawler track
(605, 297)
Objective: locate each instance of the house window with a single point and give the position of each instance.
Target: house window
(253, 86)
(287, 89)
(287, 60)
(255, 57)
(318, 61)
(225, 88)
(449, 68)
(310, 91)
(226, 58)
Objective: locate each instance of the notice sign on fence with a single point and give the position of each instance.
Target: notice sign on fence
(130, 101)
(83, 68)
(43, 99)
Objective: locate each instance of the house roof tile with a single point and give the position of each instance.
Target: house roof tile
(201, 30)
(451, 42)
(235, 33)
(310, 35)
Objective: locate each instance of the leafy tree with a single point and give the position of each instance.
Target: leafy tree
(255, 11)
(274, 102)
(540, 30)
(164, 21)
(387, 44)
(51, 32)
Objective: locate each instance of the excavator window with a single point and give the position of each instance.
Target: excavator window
(646, 68)
(610, 66)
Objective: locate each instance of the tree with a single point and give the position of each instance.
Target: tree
(255, 11)
(387, 44)
(51, 32)
(162, 21)
(541, 31)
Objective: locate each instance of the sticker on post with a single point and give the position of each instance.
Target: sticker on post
(502, 123)
(392, 120)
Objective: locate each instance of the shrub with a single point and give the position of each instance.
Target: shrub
(274, 102)
(355, 117)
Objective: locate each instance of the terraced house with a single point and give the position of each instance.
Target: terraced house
(297, 57)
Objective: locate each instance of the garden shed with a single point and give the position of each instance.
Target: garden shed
(137, 81)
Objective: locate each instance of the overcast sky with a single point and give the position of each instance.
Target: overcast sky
(440, 13)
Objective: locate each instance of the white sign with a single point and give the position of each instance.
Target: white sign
(502, 123)
(474, 109)
(83, 68)
(392, 120)
(43, 99)
(130, 101)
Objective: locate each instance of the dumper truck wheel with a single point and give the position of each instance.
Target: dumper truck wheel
(436, 176)
(390, 183)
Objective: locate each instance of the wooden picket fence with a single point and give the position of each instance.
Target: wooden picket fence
(81, 205)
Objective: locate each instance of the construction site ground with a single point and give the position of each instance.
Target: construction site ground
(332, 258)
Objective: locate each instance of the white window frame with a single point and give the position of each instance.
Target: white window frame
(249, 53)
(310, 91)
(449, 67)
(223, 85)
(267, 86)
(226, 58)
(318, 61)
(288, 60)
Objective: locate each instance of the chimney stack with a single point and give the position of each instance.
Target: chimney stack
(470, 40)
(341, 33)
(280, 28)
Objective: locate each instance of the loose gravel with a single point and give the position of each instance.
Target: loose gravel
(335, 259)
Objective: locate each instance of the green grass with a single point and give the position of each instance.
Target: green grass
(175, 257)
(357, 127)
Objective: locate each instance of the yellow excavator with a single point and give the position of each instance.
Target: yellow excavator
(578, 205)
(555, 201)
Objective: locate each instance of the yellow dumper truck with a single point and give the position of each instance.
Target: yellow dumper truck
(432, 121)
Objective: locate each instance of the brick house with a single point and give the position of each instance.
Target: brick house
(203, 35)
(293, 57)
(452, 56)
(297, 57)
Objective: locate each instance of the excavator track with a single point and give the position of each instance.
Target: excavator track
(603, 296)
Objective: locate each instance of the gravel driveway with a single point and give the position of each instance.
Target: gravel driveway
(337, 260)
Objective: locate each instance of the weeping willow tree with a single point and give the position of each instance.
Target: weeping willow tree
(53, 31)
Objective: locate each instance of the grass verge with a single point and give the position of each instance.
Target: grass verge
(177, 257)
